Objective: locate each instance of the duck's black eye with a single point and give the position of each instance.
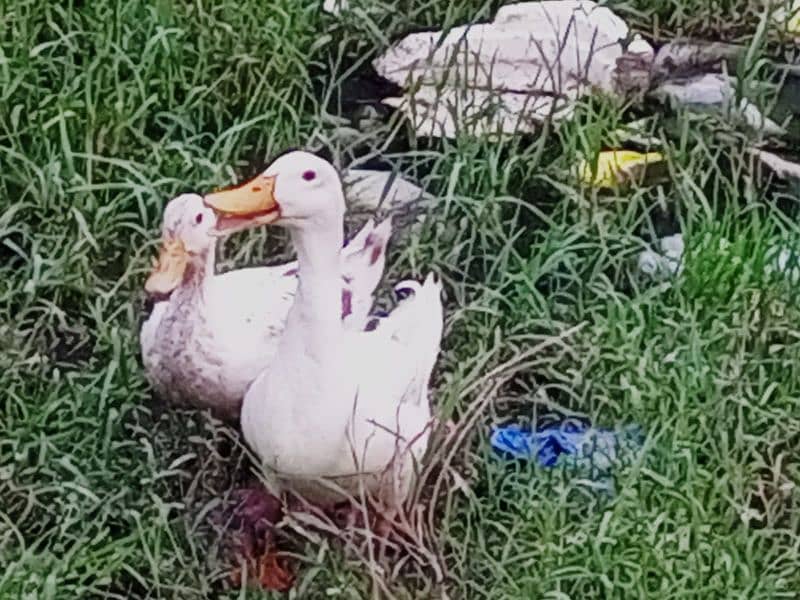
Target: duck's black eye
(309, 175)
(199, 218)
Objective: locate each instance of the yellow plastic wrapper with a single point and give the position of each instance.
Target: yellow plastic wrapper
(786, 17)
(618, 167)
(793, 23)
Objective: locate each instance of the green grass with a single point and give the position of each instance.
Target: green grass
(109, 109)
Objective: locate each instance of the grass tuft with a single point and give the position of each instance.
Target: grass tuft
(109, 109)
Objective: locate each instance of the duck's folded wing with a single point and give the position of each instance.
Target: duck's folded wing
(251, 304)
(148, 337)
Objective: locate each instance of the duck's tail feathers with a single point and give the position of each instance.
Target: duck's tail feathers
(417, 323)
(364, 260)
(418, 320)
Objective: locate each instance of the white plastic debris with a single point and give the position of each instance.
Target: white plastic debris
(757, 121)
(711, 89)
(665, 261)
(782, 167)
(784, 260)
(334, 7)
(370, 190)
(714, 92)
(508, 75)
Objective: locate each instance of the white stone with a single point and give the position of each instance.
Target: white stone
(474, 111)
(366, 189)
(540, 54)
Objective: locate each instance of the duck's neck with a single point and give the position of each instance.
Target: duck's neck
(191, 292)
(314, 323)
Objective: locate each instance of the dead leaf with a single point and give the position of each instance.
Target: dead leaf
(270, 571)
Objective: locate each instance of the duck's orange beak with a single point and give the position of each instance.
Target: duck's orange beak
(248, 205)
(168, 269)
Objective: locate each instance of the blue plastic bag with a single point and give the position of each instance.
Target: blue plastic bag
(569, 442)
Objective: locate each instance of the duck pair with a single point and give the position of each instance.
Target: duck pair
(329, 408)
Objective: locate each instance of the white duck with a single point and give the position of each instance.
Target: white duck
(335, 408)
(213, 335)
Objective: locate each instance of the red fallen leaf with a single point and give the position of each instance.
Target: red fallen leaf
(274, 574)
(270, 571)
(251, 521)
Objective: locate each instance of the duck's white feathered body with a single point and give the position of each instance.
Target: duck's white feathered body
(335, 412)
(367, 417)
(208, 341)
(198, 352)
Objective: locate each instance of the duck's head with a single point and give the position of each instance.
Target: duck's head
(186, 238)
(298, 190)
